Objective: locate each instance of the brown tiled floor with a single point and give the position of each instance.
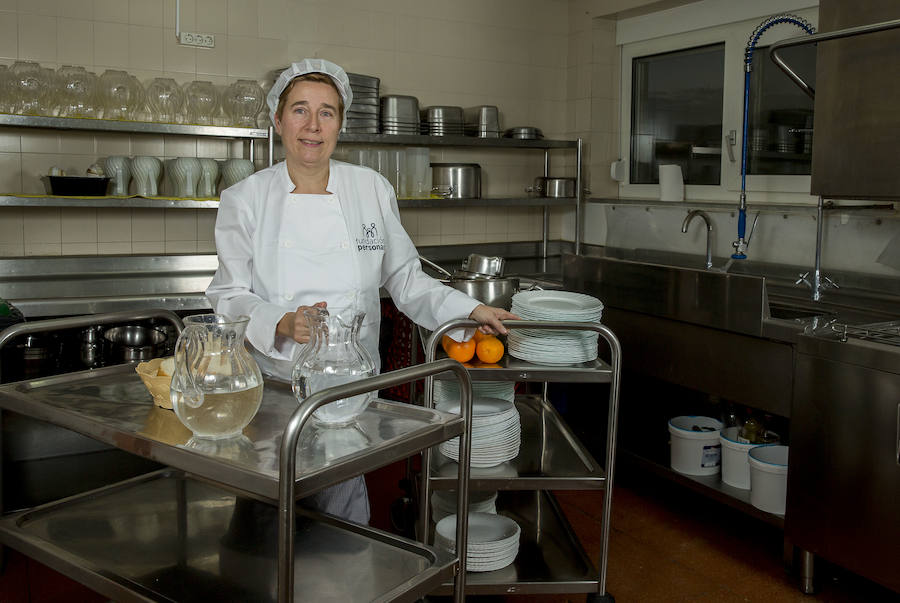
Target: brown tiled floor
(670, 544)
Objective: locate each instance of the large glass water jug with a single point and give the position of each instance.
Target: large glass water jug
(217, 386)
(333, 356)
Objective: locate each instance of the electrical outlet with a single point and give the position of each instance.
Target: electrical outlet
(196, 39)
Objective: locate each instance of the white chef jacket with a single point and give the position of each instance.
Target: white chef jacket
(279, 250)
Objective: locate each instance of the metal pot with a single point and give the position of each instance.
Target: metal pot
(484, 265)
(133, 342)
(457, 180)
(545, 186)
(493, 291)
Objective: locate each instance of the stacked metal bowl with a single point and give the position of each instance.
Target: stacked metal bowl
(442, 120)
(363, 115)
(399, 114)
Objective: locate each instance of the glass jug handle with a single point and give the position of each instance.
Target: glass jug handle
(191, 345)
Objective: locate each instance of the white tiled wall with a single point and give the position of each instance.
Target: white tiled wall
(532, 58)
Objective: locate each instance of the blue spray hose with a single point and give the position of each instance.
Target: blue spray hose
(740, 246)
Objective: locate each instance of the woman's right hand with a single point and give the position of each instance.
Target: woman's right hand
(295, 325)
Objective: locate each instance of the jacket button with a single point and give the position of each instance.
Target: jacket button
(287, 244)
(344, 244)
(289, 297)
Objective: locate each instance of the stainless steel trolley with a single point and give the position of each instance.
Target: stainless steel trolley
(550, 458)
(208, 526)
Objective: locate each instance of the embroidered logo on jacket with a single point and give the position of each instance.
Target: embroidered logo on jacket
(370, 240)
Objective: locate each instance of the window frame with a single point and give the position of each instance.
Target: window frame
(760, 188)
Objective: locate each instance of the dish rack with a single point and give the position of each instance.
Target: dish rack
(882, 332)
(221, 520)
(551, 458)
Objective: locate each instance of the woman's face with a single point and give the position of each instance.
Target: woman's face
(309, 123)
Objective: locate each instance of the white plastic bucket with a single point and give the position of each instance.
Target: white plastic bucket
(768, 477)
(735, 466)
(695, 452)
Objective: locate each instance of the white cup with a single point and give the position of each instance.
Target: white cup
(118, 169)
(671, 183)
(146, 170)
(184, 173)
(235, 170)
(209, 175)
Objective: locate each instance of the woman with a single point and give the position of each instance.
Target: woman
(314, 231)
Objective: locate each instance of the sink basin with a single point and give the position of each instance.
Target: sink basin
(793, 312)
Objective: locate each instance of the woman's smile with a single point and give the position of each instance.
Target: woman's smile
(309, 124)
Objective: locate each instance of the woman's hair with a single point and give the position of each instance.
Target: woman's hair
(311, 77)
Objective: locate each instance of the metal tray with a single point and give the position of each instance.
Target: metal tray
(513, 369)
(550, 558)
(169, 537)
(113, 406)
(550, 458)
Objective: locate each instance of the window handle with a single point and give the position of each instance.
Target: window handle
(730, 141)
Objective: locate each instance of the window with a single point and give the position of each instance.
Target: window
(781, 114)
(682, 103)
(676, 115)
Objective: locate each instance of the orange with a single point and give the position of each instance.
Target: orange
(461, 351)
(489, 349)
(445, 341)
(479, 336)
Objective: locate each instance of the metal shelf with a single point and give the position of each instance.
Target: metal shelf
(456, 141)
(115, 202)
(113, 406)
(170, 203)
(490, 202)
(166, 536)
(550, 458)
(550, 558)
(708, 485)
(135, 127)
(513, 369)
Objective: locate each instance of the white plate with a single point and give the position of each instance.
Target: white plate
(504, 470)
(555, 301)
(483, 528)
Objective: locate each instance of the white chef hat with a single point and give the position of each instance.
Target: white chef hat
(338, 76)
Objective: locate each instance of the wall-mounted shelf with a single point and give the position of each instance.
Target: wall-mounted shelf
(456, 141)
(169, 203)
(490, 202)
(139, 127)
(116, 202)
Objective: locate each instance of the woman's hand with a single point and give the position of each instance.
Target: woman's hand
(295, 325)
(490, 318)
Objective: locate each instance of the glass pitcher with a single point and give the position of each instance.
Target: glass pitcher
(333, 356)
(217, 387)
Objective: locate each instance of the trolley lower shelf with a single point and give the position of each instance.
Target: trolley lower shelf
(550, 558)
(168, 536)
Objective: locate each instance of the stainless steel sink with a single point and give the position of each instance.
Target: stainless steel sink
(794, 312)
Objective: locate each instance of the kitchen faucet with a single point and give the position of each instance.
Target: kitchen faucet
(740, 245)
(709, 228)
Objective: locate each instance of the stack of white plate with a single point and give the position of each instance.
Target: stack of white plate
(496, 433)
(492, 543)
(544, 346)
(446, 392)
(443, 503)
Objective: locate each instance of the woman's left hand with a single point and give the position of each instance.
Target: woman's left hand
(490, 318)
